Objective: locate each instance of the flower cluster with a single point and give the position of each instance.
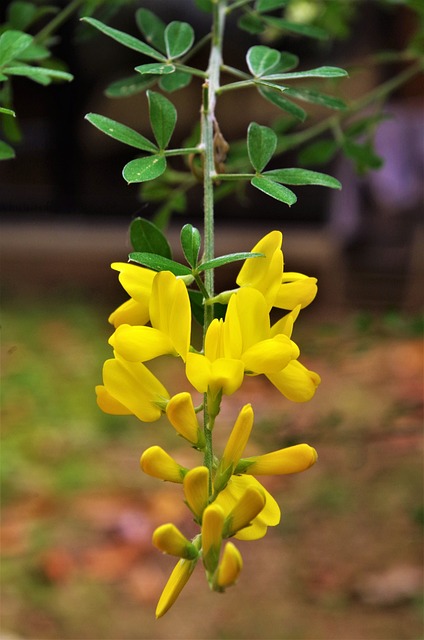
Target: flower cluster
(223, 494)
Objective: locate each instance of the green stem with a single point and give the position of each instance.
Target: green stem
(58, 20)
(210, 89)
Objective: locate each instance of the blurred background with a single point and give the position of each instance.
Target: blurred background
(77, 515)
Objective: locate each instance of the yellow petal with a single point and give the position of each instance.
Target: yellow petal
(140, 344)
(130, 312)
(296, 382)
(176, 582)
(246, 322)
(158, 463)
(270, 356)
(302, 290)
(220, 374)
(170, 310)
(134, 386)
(229, 567)
(136, 280)
(286, 323)
(264, 274)
(108, 404)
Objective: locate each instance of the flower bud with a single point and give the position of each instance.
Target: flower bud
(169, 539)
(196, 490)
(247, 508)
(289, 460)
(212, 525)
(159, 464)
(181, 414)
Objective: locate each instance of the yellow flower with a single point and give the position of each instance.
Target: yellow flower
(212, 528)
(212, 371)
(137, 282)
(133, 387)
(158, 463)
(181, 414)
(247, 335)
(169, 539)
(268, 516)
(289, 460)
(170, 317)
(176, 582)
(196, 490)
(282, 290)
(229, 568)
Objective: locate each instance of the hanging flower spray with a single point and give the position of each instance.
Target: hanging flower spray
(226, 500)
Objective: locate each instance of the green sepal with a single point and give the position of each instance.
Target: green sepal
(159, 263)
(146, 237)
(222, 477)
(243, 465)
(143, 169)
(227, 259)
(261, 144)
(302, 177)
(121, 132)
(273, 189)
(190, 242)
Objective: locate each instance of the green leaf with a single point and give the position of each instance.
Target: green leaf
(163, 118)
(319, 152)
(190, 242)
(21, 14)
(143, 169)
(303, 177)
(179, 38)
(38, 74)
(269, 5)
(316, 97)
(288, 61)
(12, 44)
(121, 132)
(262, 60)
(251, 23)
(175, 81)
(286, 105)
(152, 28)
(204, 5)
(129, 86)
(261, 144)
(227, 259)
(363, 155)
(34, 52)
(159, 263)
(302, 29)
(155, 68)
(319, 72)
(147, 238)
(273, 189)
(8, 112)
(6, 151)
(125, 39)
